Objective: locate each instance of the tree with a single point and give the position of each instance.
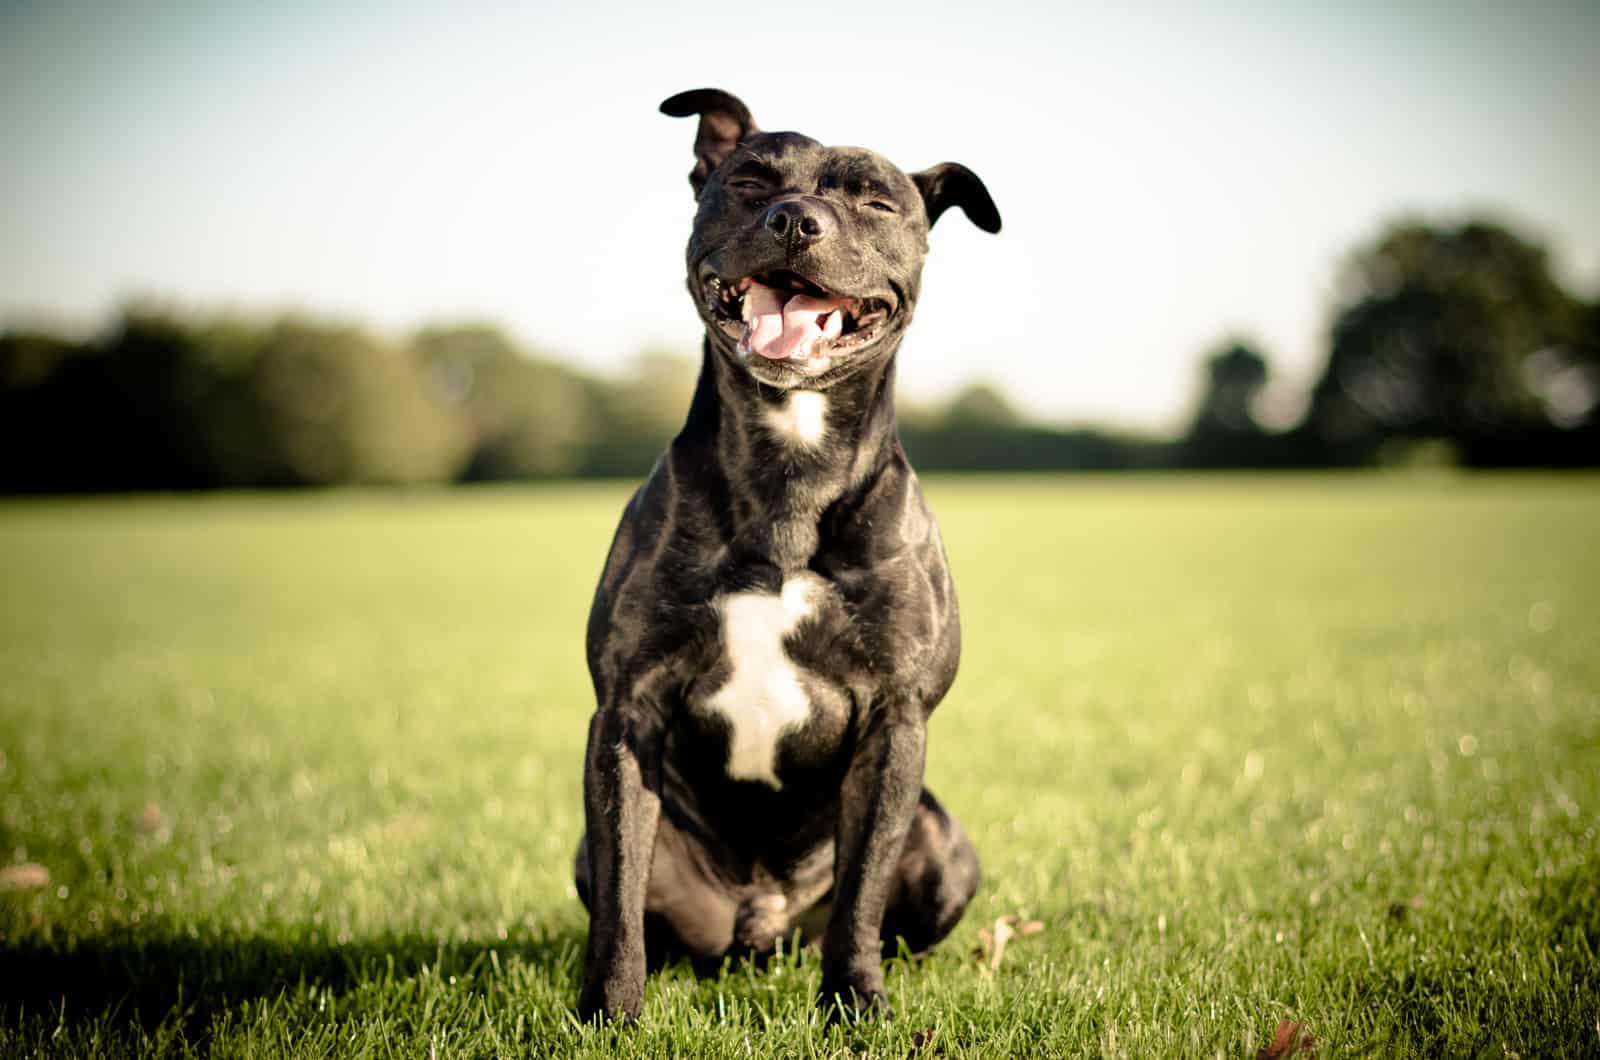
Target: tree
(981, 405)
(338, 405)
(526, 416)
(1435, 338)
(1224, 432)
(37, 413)
(117, 413)
(634, 415)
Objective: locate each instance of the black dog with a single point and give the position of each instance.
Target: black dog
(775, 621)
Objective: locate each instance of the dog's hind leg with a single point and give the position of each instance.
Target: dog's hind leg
(688, 910)
(937, 877)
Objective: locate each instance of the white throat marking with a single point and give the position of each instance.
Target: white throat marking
(803, 419)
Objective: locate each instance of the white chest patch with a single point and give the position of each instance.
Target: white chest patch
(802, 420)
(762, 698)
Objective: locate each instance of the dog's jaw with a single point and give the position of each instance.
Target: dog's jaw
(788, 331)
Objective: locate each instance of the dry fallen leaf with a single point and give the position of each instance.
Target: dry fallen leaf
(1398, 910)
(1290, 1039)
(993, 942)
(23, 876)
(1002, 935)
(920, 1039)
(149, 820)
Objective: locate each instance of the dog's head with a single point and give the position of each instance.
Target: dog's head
(806, 260)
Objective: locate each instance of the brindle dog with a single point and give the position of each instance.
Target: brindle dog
(776, 621)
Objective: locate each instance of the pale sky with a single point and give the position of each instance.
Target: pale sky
(1168, 174)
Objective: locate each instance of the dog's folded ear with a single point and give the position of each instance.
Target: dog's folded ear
(724, 121)
(953, 184)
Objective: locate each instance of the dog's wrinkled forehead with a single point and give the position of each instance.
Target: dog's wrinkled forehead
(799, 163)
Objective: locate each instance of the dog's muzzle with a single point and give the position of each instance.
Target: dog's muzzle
(788, 319)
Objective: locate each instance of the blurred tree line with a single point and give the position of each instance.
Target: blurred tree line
(1447, 344)
(170, 400)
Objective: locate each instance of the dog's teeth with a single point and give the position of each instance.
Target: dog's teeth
(832, 325)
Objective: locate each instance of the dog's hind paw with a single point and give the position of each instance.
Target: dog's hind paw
(761, 921)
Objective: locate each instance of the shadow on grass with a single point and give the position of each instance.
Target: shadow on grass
(150, 980)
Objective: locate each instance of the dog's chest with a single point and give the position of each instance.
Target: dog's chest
(767, 696)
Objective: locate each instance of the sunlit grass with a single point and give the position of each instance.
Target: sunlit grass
(303, 772)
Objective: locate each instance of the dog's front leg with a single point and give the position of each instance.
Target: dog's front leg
(622, 803)
(876, 806)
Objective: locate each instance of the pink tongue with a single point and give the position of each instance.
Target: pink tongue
(782, 331)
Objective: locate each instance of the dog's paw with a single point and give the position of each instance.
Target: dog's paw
(607, 1001)
(851, 1001)
(761, 921)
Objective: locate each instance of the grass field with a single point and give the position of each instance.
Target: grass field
(303, 773)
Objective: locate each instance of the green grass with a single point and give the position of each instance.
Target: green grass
(304, 772)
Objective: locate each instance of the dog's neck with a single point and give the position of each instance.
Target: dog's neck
(787, 457)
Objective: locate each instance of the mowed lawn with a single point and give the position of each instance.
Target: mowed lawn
(302, 772)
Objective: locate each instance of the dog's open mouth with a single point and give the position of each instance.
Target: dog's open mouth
(784, 317)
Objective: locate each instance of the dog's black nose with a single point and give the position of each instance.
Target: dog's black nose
(797, 223)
